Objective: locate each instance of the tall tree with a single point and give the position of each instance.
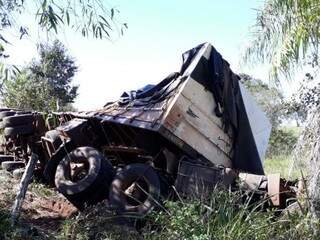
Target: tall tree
(57, 69)
(46, 84)
(287, 32)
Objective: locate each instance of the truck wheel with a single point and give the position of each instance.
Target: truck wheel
(18, 130)
(135, 189)
(23, 119)
(12, 165)
(5, 109)
(6, 114)
(84, 177)
(5, 158)
(53, 162)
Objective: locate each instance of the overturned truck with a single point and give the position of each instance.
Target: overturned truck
(194, 130)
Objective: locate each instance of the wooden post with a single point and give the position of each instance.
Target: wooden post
(23, 187)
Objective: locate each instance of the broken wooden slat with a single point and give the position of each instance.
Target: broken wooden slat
(23, 187)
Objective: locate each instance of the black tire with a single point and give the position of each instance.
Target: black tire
(4, 158)
(55, 137)
(5, 109)
(23, 119)
(19, 130)
(137, 204)
(6, 114)
(94, 186)
(52, 164)
(12, 165)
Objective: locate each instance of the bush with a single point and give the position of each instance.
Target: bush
(282, 141)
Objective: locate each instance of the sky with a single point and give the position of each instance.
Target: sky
(158, 33)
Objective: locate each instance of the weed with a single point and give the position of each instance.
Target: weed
(41, 190)
(282, 164)
(97, 223)
(224, 217)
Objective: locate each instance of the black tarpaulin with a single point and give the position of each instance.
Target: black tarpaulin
(214, 73)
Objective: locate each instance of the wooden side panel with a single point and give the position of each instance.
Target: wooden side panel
(190, 118)
(202, 99)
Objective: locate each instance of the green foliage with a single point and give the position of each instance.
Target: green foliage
(305, 100)
(17, 232)
(57, 69)
(41, 190)
(282, 164)
(24, 92)
(270, 99)
(5, 225)
(44, 84)
(91, 18)
(282, 141)
(285, 32)
(97, 223)
(225, 217)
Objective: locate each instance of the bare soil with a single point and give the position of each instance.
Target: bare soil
(44, 209)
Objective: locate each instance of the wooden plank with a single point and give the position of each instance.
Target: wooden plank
(274, 188)
(190, 135)
(23, 187)
(185, 111)
(204, 124)
(202, 99)
(189, 118)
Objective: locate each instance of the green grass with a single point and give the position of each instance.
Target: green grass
(224, 217)
(282, 164)
(42, 190)
(18, 232)
(97, 223)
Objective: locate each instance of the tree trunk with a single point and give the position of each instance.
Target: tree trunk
(307, 154)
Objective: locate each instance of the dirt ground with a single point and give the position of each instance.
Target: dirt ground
(43, 208)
